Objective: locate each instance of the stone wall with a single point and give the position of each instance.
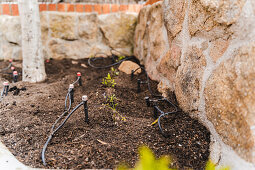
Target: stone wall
(204, 52)
(73, 31)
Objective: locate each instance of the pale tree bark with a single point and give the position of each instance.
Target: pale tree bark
(33, 61)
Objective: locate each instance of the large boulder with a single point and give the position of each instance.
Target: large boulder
(63, 25)
(140, 38)
(72, 35)
(188, 79)
(118, 30)
(10, 37)
(229, 101)
(151, 38)
(209, 65)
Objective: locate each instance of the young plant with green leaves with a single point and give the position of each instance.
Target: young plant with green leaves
(120, 57)
(108, 81)
(147, 161)
(112, 102)
(114, 72)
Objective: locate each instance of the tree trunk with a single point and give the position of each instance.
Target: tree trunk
(33, 62)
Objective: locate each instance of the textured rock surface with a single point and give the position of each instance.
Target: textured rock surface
(151, 38)
(230, 97)
(210, 68)
(10, 37)
(118, 29)
(140, 38)
(72, 35)
(188, 79)
(174, 12)
(128, 66)
(62, 25)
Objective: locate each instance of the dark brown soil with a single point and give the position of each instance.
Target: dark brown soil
(106, 141)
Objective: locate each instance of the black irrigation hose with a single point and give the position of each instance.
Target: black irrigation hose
(54, 131)
(147, 82)
(66, 111)
(108, 66)
(102, 67)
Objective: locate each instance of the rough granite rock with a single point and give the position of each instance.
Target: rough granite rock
(140, 38)
(157, 39)
(188, 79)
(88, 27)
(151, 38)
(118, 30)
(62, 25)
(128, 66)
(174, 13)
(10, 37)
(230, 97)
(11, 29)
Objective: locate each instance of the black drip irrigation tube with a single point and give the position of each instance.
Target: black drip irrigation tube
(69, 97)
(158, 113)
(149, 102)
(114, 59)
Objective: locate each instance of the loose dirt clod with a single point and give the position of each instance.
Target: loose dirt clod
(104, 142)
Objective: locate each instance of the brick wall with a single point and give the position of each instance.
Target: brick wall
(12, 8)
(88, 1)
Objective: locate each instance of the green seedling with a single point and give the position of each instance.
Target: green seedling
(121, 57)
(114, 72)
(108, 81)
(147, 161)
(111, 102)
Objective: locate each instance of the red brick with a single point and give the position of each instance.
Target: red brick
(106, 8)
(52, 7)
(79, 8)
(115, 8)
(88, 8)
(69, 8)
(15, 9)
(131, 8)
(6, 9)
(98, 8)
(61, 7)
(123, 7)
(42, 7)
(150, 2)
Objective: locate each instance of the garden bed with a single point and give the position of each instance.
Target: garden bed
(104, 142)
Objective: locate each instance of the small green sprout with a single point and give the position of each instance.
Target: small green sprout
(108, 81)
(114, 72)
(111, 102)
(121, 57)
(149, 162)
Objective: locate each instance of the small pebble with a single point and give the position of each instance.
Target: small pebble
(74, 62)
(84, 65)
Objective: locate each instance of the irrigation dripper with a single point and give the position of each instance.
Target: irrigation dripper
(85, 104)
(71, 92)
(5, 89)
(15, 76)
(79, 78)
(132, 74)
(147, 100)
(55, 129)
(138, 85)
